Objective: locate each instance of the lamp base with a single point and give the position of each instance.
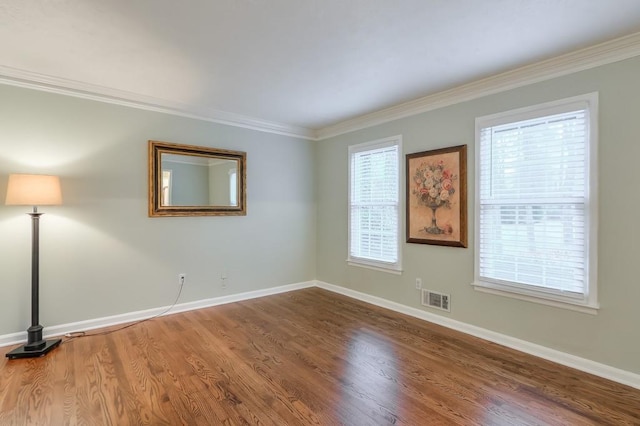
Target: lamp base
(23, 352)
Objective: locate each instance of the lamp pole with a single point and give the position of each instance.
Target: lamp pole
(34, 333)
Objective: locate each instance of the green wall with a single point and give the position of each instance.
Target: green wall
(613, 336)
(189, 183)
(101, 255)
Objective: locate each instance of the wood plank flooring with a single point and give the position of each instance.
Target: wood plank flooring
(299, 358)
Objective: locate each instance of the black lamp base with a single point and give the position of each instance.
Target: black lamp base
(42, 350)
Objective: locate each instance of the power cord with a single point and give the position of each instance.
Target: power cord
(77, 334)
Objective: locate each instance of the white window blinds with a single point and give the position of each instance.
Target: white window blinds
(533, 227)
(374, 204)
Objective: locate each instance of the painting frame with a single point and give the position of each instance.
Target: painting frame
(436, 190)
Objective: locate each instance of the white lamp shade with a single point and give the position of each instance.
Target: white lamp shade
(33, 190)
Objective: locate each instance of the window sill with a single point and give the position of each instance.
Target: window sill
(564, 304)
(389, 270)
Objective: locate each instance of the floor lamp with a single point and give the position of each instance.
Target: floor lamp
(34, 190)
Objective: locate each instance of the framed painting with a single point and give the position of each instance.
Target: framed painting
(437, 197)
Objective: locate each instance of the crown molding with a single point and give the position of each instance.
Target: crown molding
(21, 78)
(605, 53)
(601, 54)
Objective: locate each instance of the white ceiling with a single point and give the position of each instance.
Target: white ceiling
(304, 63)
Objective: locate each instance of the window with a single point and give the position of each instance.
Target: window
(233, 187)
(374, 204)
(166, 188)
(536, 203)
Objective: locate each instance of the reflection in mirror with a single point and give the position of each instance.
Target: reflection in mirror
(166, 187)
(198, 181)
(187, 180)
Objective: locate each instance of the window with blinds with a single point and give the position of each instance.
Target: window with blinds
(535, 200)
(374, 206)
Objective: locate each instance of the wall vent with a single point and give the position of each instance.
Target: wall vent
(433, 299)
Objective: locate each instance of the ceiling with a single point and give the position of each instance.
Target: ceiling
(306, 64)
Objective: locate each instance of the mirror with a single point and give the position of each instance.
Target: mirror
(188, 180)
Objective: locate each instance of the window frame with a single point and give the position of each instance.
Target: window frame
(389, 267)
(588, 303)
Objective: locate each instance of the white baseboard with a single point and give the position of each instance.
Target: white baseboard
(13, 338)
(602, 370)
(59, 330)
(582, 364)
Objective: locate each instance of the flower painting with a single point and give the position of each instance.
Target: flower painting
(437, 197)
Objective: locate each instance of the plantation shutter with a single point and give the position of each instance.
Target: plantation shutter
(374, 203)
(533, 196)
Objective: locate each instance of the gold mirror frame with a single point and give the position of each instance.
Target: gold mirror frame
(158, 209)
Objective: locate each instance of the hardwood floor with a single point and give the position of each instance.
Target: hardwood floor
(304, 357)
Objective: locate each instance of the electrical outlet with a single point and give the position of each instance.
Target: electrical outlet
(182, 279)
(418, 283)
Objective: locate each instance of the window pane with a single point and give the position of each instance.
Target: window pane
(533, 192)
